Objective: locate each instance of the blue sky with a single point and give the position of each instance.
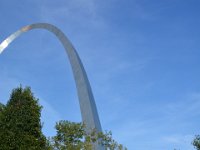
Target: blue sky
(141, 57)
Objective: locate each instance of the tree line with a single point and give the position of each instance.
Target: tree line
(21, 128)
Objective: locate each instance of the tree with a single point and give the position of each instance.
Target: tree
(1, 107)
(1, 110)
(71, 136)
(108, 142)
(196, 142)
(20, 125)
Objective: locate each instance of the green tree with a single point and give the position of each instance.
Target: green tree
(108, 142)
(1, 111)
(196, 142)
(71, 136)
(1, 107)
(20, 125)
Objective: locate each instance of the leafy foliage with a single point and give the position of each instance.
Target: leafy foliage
(108, 142)
(71, 136)
(196, 142)
(20, 126)
(1, 107)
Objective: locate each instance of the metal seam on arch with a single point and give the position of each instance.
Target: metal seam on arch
(86, 100)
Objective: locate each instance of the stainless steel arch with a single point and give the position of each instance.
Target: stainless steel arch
(87, 104)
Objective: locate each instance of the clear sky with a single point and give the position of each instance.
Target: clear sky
(141, 56)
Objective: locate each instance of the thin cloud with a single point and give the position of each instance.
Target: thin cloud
(49, 117)
(182, 142)
(71, 12)
(178, 139)
(190, 105)
(7, 83)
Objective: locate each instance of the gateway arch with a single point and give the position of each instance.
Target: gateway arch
(86, 100)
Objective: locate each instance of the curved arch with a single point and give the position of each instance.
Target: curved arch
(86, 100)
